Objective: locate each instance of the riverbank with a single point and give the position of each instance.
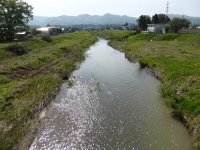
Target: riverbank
(174, 59)
(30, 80)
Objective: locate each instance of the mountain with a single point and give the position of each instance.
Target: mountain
(95, 19)
(194, 20)
(83, 19)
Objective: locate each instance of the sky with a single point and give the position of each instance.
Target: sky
(132, 8)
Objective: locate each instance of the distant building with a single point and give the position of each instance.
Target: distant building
(48, 30)
(21, 35)
(156, 28)
(124, 27)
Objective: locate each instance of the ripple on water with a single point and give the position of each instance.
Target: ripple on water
(112, 105)
(74, 115)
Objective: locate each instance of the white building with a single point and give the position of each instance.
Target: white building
(156, 28)
(21, 35)
(48, 30)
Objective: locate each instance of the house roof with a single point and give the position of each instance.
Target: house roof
(156, 23)
(21, 33)
(45, 28)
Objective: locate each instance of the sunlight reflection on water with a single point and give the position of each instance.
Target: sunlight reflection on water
(113, 104)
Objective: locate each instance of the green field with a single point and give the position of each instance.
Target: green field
(30, 81)
(175, 60)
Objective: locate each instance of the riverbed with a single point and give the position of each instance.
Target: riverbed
(113, 104)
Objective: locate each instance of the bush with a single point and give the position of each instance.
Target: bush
(17, 49)
(143, 63)
(47, 38)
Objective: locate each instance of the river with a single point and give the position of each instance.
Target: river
(113, 104)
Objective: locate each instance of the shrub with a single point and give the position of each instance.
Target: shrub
(143, 63)
(47, 38)
(17, 49)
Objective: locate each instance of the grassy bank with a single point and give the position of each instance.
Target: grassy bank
(30, 81)
(175, 60)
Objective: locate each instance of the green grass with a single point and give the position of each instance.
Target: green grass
(4, 80)
(177, 56)
(145, 37)
(170, 37)
(30, 81)
(115, 34)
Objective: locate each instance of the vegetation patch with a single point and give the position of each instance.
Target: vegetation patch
(70, 83)
(4, 80)
(115, 34)
(170, 37)
(17, 49)
(68, 66)
(143, 63)
(137, 37)
(41, 59)
(47, 38)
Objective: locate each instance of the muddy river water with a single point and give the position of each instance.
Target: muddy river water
(113, 104)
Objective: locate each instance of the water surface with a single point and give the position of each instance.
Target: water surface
(113, 104)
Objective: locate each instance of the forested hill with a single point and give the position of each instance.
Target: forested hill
(95, 19)
(83, 19)
(194, 20)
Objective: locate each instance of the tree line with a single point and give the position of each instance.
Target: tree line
(13, 14)
(174, 25)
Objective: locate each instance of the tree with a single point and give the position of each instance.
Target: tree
(178, 23)
(1, 29)
(143, 20)
(163, 18)
(167, 27)
(126, 24)
(107, 27)
(194, 26)
(155, 19)
(14, 13)
(160, 18)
